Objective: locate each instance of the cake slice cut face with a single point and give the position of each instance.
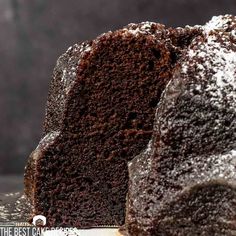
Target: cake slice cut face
(100, 114)
(184, 182)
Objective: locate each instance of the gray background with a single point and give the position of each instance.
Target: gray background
(35, 32)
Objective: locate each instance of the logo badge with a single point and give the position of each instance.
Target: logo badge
(39, 220)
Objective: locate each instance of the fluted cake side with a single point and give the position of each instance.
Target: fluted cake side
(184, 183)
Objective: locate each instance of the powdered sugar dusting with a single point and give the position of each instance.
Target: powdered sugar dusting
(217, 23)
(213, 63)
(14, 208)
(222, 166)
(4, 213)
(142, 28)
(216, 63)
(149, 148)
(48, 139)
(69, 72)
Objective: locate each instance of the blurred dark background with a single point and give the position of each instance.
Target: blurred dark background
(35, 32)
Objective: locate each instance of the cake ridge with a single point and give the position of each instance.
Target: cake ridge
(64, 76)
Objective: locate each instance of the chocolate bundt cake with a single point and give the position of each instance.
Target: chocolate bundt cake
(99, 115)
(184, 183)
